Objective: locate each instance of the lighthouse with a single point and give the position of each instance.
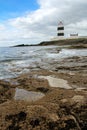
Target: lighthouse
(60, 30)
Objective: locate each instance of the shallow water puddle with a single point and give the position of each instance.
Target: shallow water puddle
(22, 94)
(57, 82)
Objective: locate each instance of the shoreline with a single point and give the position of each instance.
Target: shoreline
(59, 108)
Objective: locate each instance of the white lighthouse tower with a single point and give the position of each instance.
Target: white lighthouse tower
(60, 30)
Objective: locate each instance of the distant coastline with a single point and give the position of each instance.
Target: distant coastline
(23, 45)
(78, 43)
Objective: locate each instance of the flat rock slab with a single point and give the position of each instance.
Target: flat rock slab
(22, 94)
(57, 82)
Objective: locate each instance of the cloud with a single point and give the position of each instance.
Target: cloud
(2, 27)
(41, 24)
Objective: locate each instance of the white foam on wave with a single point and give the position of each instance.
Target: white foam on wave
(19, 62)
(65, 53)
(73, 52)
(52, 55)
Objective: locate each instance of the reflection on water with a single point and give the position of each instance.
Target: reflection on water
(22, 94)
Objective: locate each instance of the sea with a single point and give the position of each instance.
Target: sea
(15, 61)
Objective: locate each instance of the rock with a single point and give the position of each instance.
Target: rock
(30, 96)
(43, 90)
(78, 99)
(54, 117)
(6, 91)
(64, 100)
(68, 123)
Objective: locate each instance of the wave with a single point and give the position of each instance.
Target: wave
(65, 53)
(9, 60)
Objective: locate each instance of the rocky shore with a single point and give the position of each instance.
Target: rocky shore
(46, 99)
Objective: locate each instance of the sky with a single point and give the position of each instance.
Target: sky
(34, 21)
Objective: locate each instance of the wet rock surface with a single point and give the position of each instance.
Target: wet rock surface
(43, 115)
(22, 94)
(59, 109)
(6, 91)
